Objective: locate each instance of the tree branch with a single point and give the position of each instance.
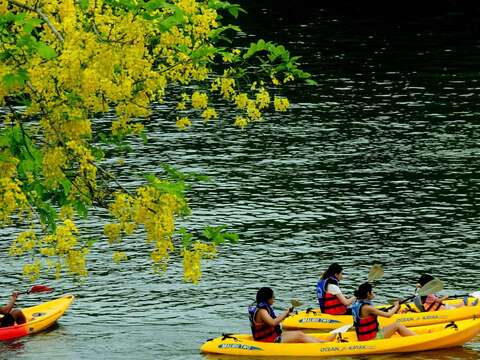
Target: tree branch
(42, 15)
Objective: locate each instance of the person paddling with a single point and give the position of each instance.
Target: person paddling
(11, 316)
(330, 297)
(365, 317)
(265, 324)
(432, 302)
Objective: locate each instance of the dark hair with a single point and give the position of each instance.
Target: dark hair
(264, 294)
(332, 270)
(425, 278)
(363, 290)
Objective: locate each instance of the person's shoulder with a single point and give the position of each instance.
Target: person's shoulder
(334, 289)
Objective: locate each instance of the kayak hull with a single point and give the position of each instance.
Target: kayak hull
(39, 318)
(316, 320)
(427, 338)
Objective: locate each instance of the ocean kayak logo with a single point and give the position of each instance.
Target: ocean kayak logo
(238, 346)
(345, 348)
(318, 320)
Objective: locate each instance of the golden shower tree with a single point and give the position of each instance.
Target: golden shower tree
(66, 63)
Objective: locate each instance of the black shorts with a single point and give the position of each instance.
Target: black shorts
(7, 320)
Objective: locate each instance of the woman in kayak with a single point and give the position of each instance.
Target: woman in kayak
(11, 316)
(330, 297)
(266, 325)
(432, 302)
(365, 317)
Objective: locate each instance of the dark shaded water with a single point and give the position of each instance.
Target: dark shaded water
(379, 163)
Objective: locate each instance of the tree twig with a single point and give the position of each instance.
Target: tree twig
(42, 15)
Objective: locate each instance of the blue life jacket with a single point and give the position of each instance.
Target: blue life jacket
(322, 290)
(263, 332)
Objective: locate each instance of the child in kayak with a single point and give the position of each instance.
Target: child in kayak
(365, 317)
(266, 325)
(432, 302)
(11, 316)
(330, 297)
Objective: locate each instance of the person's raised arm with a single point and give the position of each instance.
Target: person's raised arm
(374, 311)
(267, 319)
(7, 308)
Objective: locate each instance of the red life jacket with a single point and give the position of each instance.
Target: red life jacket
(329, 303)
(332, 305)
(263, 332)
(366, 328)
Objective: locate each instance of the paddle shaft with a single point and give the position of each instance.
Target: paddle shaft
(401, 302)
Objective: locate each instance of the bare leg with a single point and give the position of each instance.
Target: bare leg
(18, 316)
(391, 329)
(300, 337)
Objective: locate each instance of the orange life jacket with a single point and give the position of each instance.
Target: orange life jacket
(263, 332)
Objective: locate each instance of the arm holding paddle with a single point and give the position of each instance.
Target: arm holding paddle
(267, 319)
(7, 308)
(387, 314)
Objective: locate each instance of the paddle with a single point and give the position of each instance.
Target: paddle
(430, 287)
(37, 289)
(295, 303)
(341, 329)
(376, 272)
(475, 294)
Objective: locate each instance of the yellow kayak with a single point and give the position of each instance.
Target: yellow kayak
(316, 320)
(39, 317)
(427, 338)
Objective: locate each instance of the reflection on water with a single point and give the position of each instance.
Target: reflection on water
(379, 163)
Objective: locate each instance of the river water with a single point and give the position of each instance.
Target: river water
(378, 163)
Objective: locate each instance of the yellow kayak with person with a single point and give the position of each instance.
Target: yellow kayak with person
(426, 338)
(458, 307)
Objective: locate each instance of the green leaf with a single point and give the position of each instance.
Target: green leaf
(90, 242)
(217, 32)
(80, 208)
(67, 185)
(311, 82)
(84, 4)
(172, 20)
(13, 80)
(46, 51)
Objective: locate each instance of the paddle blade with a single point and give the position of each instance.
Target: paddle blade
(341, 329)
(376, 272)
(296, 303)
(39, 289)
(431, 287)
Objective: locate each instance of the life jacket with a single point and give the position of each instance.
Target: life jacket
(329, 303)
(366, 328)
(263, 332)
(425, 303)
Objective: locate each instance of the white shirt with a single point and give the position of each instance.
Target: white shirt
(333, 289)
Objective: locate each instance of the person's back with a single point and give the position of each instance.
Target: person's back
(329, 295)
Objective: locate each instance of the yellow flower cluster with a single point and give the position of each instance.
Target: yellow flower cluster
(192, 260)
(95, 58)
(24, 242)
(183, 123)
(119, 256)
(32, 271)
(281, 104)
(209, 113)
(199, 100)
